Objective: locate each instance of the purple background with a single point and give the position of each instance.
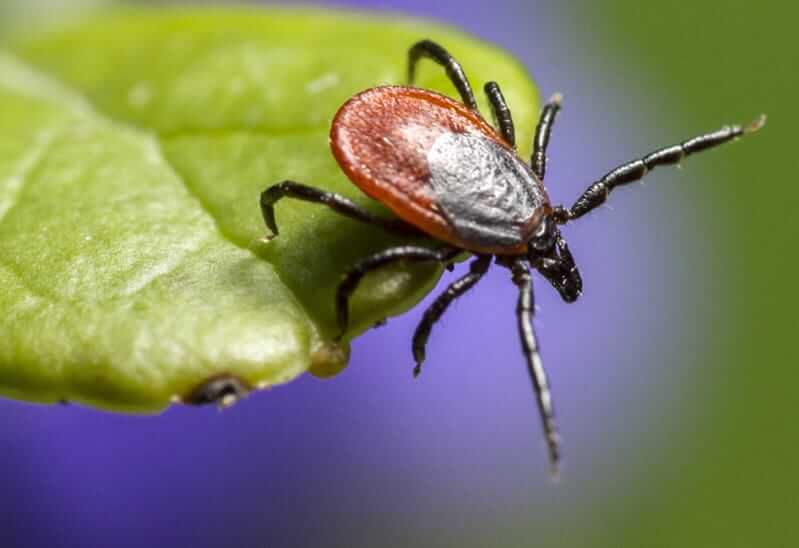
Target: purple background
(373, 457)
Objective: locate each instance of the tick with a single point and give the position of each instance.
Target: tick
(448, 174)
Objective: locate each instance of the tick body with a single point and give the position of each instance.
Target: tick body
(446, 173)
(439, 166)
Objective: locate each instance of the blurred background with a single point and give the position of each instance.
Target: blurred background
(675, 376)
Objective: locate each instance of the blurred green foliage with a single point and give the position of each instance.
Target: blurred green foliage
(731, 479)
(16, 15)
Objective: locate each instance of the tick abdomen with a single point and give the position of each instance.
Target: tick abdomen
(439, 166)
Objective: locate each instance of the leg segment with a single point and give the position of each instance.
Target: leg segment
(502, 116)
(460, 286)
(427, 48)
(351, 280)
(524, 313)
(336, 202)
(596, 194)
(542, 133)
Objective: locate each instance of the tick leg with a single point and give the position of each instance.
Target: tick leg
(457, 288)
(336, 202)
(428, 48)
(502, 116)
(352, 278)
(596, 194)
(542, 133)
(524, 313)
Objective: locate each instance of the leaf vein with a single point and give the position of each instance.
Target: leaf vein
(14, 185)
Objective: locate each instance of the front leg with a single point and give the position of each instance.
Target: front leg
(352, 278)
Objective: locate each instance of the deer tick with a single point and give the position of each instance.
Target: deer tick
(448, 174)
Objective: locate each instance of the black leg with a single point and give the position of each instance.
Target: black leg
(404, 253)
(596, 194)
(427, 48)
(457, 288)
(338, 203)
(524, 313)
(542, 133)
(501, 112)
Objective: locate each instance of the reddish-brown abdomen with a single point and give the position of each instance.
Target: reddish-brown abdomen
(382, 139)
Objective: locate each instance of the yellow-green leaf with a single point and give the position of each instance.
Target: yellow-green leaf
(133, 149)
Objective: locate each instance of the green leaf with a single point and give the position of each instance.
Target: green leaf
(133, 149)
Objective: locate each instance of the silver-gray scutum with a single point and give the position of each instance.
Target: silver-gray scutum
(486, 193)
